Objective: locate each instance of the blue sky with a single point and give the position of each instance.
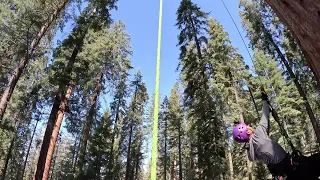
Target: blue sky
(141, 19)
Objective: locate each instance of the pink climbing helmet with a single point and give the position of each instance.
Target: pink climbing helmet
(240, 133)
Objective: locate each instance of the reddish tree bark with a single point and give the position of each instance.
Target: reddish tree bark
(302, 17)
(6, 96)
(59, 107)
(51, 135)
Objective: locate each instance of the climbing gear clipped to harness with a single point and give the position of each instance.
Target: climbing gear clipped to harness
(240, 133)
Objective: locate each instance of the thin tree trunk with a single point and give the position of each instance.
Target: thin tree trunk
(128, 166)
(8, 157)
(88, 125)
(6, 96)
(131, 171)
(165, 149)
(4, 170)
(137, 170)
(230, 164)
(117, 166)
(34, 92)
(173, 170)
(192, 168)
(29, 147)
(74, 155)
(138, 158)
(296, 82)
(179, 147)
(51, 133)
(130, 137)
(115, 131)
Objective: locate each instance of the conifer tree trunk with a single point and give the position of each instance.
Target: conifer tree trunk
(28, 151)
(88, 125)
(51, 133)
(165, 148)
(8, 157)
(115, 131)
(192, 163)
(138, 158)
(34, 92)
(60, 106)
(128, 166)
(132, 168)
(302, 18)
(4, 170)
(130, 139)
(173, 170)
(54, 161)
(230, 164)
(75, 155)
(6, 96)
(179, 148)
(296, 82)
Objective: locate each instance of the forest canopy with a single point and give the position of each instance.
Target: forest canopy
(79, 108)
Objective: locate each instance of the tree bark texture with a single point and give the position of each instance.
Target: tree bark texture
(60, 106)
(297, 84)
(302, 17)
(51, 134)
(6, 96)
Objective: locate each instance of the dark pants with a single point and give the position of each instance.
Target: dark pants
(308, 168)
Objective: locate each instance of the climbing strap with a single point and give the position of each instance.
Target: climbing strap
(277, 119)
(282, 130)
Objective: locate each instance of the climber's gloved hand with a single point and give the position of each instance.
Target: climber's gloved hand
(264, 96)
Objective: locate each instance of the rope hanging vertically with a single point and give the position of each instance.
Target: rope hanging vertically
(225, 6)
(156, 102)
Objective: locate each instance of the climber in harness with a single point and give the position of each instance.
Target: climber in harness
(261, 148)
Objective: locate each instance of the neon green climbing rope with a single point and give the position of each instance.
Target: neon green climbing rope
(156, 103)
